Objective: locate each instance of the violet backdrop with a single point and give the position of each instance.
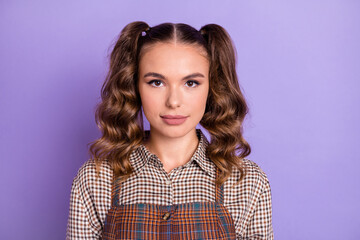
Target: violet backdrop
(298, 65)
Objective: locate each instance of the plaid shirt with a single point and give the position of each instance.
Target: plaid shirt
(248, 202)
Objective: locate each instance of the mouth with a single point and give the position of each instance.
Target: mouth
(174, 119)
(173, 116)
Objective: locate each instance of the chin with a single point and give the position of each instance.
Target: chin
(173, 131)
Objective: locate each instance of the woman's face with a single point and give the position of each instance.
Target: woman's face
(173, 80)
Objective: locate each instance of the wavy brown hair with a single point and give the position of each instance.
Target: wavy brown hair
(119, 115)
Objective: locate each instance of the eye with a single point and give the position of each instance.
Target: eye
(154, 81)
(192, 81)
(157, 82)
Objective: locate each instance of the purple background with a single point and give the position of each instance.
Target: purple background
(298, 64)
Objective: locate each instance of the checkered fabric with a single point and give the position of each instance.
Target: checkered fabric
(249, 202)
(195, 220)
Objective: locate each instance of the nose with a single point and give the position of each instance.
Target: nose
(173, 98)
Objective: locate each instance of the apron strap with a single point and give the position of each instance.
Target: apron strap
(115, 190)
(219, 190)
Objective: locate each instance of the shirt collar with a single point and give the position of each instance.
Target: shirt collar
(142, 156)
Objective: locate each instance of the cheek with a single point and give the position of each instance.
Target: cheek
(149, 103)
(198, 101)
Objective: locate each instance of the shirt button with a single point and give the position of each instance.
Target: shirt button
(166, 216)
(168, 182)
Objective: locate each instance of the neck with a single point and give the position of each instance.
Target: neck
(172, 151)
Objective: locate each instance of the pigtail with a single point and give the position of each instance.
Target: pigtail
(226, 106)
(221, 49)
(125, 51)
(118, 115)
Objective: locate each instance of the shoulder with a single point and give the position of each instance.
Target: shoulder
(254, 182)
(254, 171)
(87, 171)
(86, 179)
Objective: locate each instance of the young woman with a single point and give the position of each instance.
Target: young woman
(170, 182)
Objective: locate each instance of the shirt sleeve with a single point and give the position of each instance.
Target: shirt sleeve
(260, 224)
(81, 224)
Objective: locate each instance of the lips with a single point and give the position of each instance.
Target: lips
(174, 119)
(173, 116)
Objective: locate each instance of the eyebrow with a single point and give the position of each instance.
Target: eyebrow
(158, 75)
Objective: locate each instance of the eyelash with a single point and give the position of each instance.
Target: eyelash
(196, 82)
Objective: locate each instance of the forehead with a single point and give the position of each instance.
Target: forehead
(173, 56)
(173, 46)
